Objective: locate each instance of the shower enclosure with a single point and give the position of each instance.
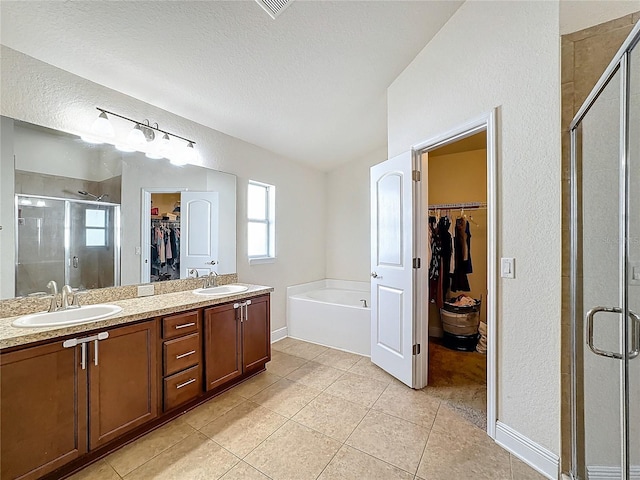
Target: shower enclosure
(73, 242)
(605, 273)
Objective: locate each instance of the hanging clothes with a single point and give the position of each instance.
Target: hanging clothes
(445, 265)
(462, 257)
(436, 258)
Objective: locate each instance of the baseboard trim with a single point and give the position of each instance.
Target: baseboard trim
(600, 472)
(278, 334)
(534, 455)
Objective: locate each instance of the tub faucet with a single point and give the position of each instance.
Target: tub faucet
(364, 303)
(210, 280)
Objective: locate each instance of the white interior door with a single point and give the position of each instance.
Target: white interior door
(199, 232)
(392, 312)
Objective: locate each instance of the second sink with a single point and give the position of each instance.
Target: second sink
(221, 290)
(70, 316)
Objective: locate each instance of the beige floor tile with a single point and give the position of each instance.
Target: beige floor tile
(285, 343)
(196, 458)
(458, 449)
(293, 452)
(412, 405)
(285, 397)
(255, 384)
(357, 388)
(242, 428)
(306, 350)
(367, 369)
(244, 471)
(330, 415)
(522, 471)
(349, 464)
(144, 449)
(338, 359)
(100, 470)
(391, 439)
(315, 375)
(283, 364)
(208, 412)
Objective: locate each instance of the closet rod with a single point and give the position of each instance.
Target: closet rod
(455, 206)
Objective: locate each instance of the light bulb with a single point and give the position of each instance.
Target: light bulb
(153, 155)
(102, 126)
(190, 153)
(136, 137)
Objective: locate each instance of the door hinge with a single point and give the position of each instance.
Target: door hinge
(416, 263)
(416, 349)
(415, 174)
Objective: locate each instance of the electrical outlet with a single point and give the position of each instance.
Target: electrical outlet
(145, 290)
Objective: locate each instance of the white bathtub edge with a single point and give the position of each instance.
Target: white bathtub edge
(279, 334)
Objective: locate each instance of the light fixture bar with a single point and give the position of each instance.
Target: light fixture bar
(145, 125)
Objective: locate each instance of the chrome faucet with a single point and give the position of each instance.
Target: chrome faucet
(210, 280)
(194, 272)
(66, 293)
(364, 303)
(53, 288)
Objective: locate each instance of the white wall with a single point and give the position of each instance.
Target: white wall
(348, 218)
(579, 14)
(38, 93)
(505, 55)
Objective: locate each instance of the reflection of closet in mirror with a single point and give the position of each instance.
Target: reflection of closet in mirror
(165, 237)
(73, 242)
(181, 234)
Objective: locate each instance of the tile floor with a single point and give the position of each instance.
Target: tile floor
(319, 413)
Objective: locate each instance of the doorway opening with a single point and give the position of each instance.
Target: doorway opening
(456, 234)
(456, 286)
(164, 248)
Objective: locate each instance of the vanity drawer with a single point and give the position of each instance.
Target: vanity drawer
(181, 353)
(177, 325)
(182, 387)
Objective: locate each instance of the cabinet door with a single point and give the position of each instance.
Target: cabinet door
(122, 382)
(222, 345)
(256, 334)
(42, 410)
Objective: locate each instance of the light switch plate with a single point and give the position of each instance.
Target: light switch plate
(145, 290)
(634, 273)
(508, 267)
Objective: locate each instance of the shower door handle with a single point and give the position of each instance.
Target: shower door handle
(635, 333)
(75, 262)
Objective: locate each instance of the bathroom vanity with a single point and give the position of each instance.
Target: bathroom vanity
(72, 395)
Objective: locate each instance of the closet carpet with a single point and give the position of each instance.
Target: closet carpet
(320, 413)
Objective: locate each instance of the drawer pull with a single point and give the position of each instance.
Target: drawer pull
(185, 325)
(185, 383)
(185, 354)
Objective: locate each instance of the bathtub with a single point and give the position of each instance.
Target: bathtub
(331, 313)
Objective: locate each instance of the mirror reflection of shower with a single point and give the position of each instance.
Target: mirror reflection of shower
(96, 197)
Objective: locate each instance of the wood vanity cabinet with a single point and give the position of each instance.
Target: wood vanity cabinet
(237, 339)
(59, 402)
(43, 410)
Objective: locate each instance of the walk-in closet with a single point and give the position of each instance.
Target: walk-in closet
(165, 236)
(457, 239)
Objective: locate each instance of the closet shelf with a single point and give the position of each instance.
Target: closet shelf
(455, 206)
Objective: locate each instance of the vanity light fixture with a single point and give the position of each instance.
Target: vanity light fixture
(141, 138)
(102, 126)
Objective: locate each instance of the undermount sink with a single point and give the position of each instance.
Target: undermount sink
(70, 316)
(221, 290)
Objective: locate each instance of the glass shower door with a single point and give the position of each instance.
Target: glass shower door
(605, 275)
(40, 254)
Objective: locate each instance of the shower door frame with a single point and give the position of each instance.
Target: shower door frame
(620, 62)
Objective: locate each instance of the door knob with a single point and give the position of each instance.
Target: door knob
(374, 275)
(212, 262)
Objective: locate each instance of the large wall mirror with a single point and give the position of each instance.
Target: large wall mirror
(91, 216)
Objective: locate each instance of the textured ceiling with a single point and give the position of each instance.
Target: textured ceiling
(310, 85)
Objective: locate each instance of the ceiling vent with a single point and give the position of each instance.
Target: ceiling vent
(274, 7)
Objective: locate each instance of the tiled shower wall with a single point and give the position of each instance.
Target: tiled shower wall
(585, 56)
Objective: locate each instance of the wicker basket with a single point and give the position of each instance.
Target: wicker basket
(460, 323)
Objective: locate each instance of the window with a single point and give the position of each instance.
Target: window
(95, 228)
(261, 222)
